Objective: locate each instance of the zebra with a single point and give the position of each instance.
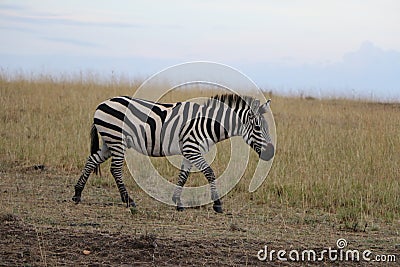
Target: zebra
(183, 128)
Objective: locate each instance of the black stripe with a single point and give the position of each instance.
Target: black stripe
(227, 121)
(115, 113)
(234, 116)
(172, 133)
(121, 100)
(200, 124)
(139, 114)
(217, 124)
(209, 127)
(191, 147)
(107, 125)
(119, 115)
(154, 107)
(186, 112)
(152, 123)
(144, 136)
(168, 105)
(209, 123)
(119, 138)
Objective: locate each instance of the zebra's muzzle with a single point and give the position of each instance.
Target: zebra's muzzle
(268, 152)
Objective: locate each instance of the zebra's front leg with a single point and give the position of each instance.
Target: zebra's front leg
(116, 171)
(198, 160)
(209, 173)
(183, 175)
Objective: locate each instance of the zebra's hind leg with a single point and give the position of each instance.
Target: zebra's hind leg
(92, 163)
(116, 171)
(183, 175)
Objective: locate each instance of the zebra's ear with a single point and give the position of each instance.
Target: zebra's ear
(264, 107)
(255, 105)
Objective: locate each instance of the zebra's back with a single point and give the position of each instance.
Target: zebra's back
(150, 128)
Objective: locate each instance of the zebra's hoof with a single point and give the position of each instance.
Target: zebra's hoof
(177, 201)
(180, 208)
(218, 208)
(131, 204)
(76, 199)
(128, 200)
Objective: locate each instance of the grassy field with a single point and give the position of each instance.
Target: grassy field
(336, 172)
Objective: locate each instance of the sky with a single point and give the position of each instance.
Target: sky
(308, 47)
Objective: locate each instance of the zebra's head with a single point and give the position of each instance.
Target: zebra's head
(255, 130)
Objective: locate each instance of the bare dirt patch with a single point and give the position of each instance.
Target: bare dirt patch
(40, 226)
(26, 245)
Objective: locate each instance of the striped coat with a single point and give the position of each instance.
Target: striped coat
(182, 128)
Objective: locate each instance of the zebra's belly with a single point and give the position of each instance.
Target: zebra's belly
(174, 149)
(157, 147)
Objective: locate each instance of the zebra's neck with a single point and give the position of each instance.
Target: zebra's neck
(229, 119)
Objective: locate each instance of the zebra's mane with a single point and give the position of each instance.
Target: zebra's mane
(231, 100)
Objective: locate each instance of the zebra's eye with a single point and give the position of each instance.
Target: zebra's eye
(257, 127)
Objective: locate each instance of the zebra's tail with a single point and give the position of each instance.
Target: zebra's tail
(94, 146)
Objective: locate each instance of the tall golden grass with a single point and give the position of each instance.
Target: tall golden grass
(334, 155)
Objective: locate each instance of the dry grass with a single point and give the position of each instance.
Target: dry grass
(338, 157)
(335, 175)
